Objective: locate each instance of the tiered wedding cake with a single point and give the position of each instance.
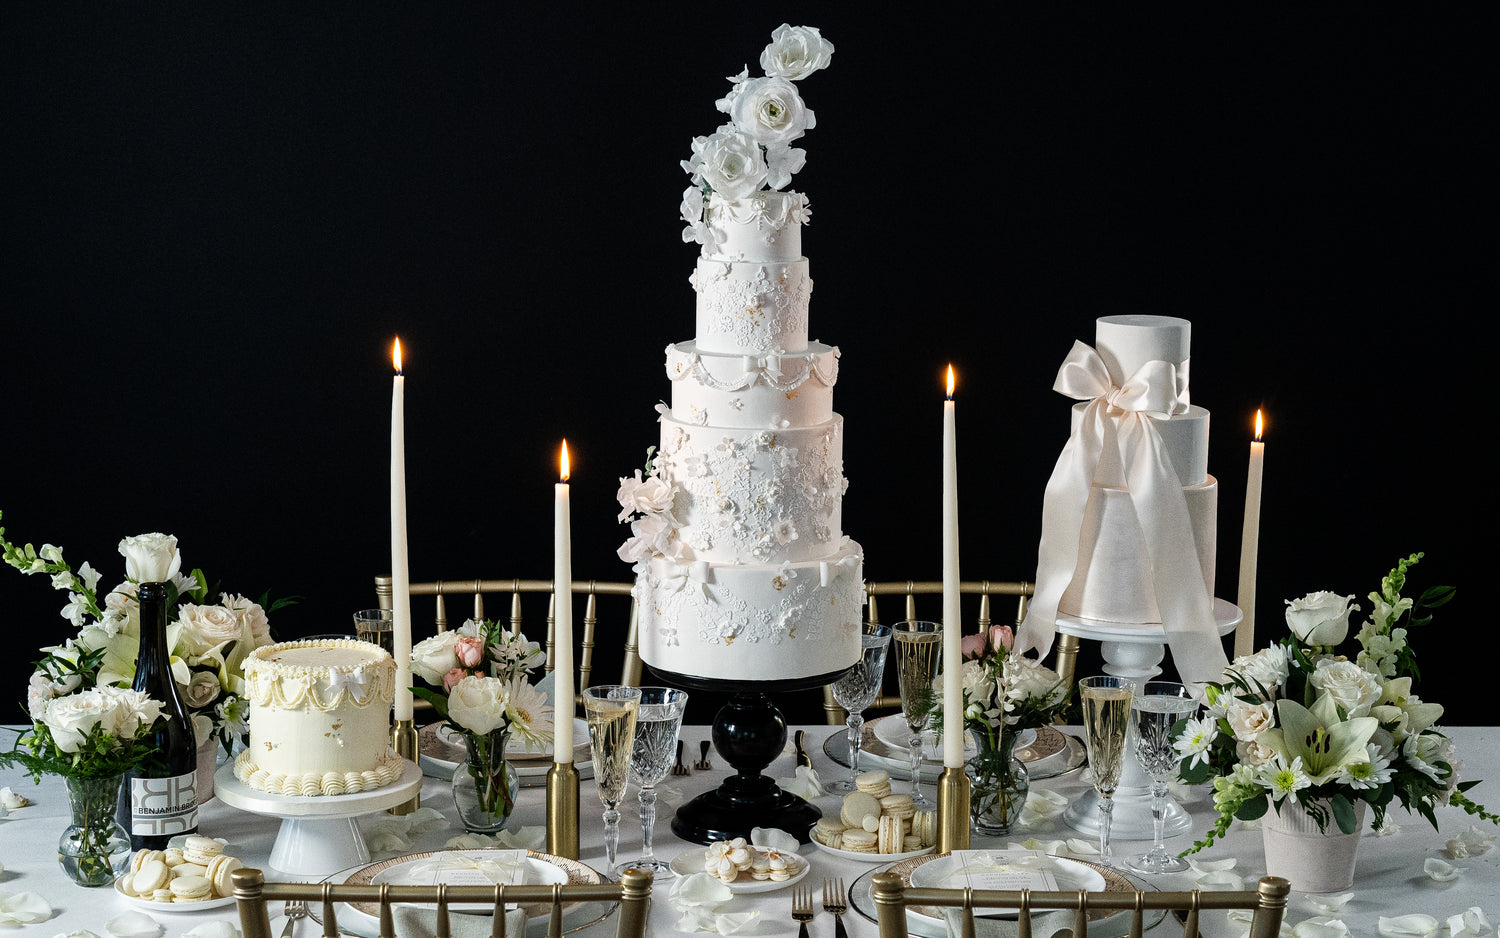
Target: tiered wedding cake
(743, 569)
(1130, 517)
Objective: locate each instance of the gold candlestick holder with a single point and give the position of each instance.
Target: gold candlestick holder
(952, 810)
(562, 810)
(404, 741)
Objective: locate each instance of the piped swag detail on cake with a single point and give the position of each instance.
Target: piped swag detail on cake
(736, 519)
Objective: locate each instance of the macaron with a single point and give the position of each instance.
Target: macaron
(857, 806)
(898, 806)
(144, 856)
(218, 873)
(825, 828)
(190, 889)
(875, 782)
(201, 850)
(888, 838)
(189, 869)
(152, 876)
(859, 840)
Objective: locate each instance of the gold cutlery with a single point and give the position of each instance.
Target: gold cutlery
(835, 901)
(702, 762)
(679, 768)
(802, 909)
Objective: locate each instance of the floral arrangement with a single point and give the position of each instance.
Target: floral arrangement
(1299, 723)
(1005, 692)
(482, 668)
(209, 634)
(766, 114)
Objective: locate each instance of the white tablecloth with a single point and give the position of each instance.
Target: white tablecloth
(1390, 879)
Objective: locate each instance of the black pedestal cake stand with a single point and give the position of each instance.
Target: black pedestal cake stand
(749, 732)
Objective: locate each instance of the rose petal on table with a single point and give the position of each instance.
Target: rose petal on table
(1202, 867)
(12, 800)
(80, 933)
(133, 925)
(1219, 880)
(1403, 926)
(1031, 843)
(1441, 870)
(386, 840)
(1327, 905)
(1472, 921)
(1388, 828)
(1321, 927)
(731, 922)
(24, 908)
(524, 838)
(805, 785)
(1086, 848)
(774, 838)
(426, 819)
(1042, 804)
(219, 929)
(1471, 843)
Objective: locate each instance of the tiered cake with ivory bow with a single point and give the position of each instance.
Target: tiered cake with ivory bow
(743, 570)
(1130, 516)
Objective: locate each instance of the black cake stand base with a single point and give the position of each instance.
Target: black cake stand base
(749, 732)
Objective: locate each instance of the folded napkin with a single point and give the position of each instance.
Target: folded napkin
(421, 922)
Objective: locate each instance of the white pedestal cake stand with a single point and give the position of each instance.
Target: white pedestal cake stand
(1133, 651)
(318, 833)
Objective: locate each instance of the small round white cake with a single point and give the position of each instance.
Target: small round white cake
(319, 718)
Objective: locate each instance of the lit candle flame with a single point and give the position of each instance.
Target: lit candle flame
(1259, 425)
(565, 460)
(950, 382)
(396, 356)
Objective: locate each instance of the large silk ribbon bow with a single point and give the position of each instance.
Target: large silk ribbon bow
(1117, 443)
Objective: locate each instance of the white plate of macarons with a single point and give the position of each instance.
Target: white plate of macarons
(868, 857)
(190, 875)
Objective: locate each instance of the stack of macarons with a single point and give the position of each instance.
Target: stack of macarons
(727, 860)
(873, 820)
(196, 871)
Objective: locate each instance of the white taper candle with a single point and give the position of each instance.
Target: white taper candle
(562, 629)
(953, 695)
(1244, 635)
(400, 575)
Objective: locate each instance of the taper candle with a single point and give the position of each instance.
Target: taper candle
(562, 630)
(400, 577)
(953, 694)
(1244, 635)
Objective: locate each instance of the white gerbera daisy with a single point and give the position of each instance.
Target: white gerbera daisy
(527, 712)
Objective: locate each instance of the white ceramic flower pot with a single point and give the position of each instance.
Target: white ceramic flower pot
(1311, 860)
(208, 763)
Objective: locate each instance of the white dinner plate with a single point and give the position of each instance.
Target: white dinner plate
(940, 872)
(689, 862)
(435, 869)
(892, 731)
(440, 753)
(871, 857)
(149, 905)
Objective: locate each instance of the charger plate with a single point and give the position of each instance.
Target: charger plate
(1051, 754)
(928, 922)
(439, 756)
(551, 869)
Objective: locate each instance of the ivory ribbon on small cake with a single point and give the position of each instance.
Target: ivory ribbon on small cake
(1118, 437)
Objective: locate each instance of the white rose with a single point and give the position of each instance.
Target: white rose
(202, 690)
(732, 165)
(251, 614)
(73, 717)
(1351, 687)
(1249, 721)
(43, 689)
(1253, 754)
(434, 657)
(127, 711)
(1028, 678)
(770, 110)
(646, 496)
(795, 52)
(1320, 618)
(1266, 670)
(151, 558)
(478, 704)
(204, 628)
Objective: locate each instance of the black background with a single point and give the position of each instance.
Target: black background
(217, 217)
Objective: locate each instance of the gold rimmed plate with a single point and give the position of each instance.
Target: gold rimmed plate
(1071, 874)
(541, 869)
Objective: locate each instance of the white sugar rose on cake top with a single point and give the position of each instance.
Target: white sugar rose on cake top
(743, 571)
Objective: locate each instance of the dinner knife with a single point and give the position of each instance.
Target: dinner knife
(802, 757)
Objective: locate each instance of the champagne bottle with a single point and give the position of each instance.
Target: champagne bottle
(164, 787)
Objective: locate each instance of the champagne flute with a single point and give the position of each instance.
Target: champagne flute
(611, 711)
(1154, 712)
(855, 691)
(1106, 717)
(919, 655)
(656, 728)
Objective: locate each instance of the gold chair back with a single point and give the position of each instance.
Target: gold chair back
(630, 670)
(1067, 645)
(891, 896)
(252, 893)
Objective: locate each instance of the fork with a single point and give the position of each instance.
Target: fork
(802, 909)
(679, 768)
(702, 762)
(293, 911)
(835, 901)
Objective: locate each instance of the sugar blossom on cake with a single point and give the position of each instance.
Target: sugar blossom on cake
(796, 52)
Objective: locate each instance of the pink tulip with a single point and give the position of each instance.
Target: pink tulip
(1002, 636)
(470, 651)
(972, 646)
(452, 678)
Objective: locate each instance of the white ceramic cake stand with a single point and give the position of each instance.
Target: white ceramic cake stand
(1133, 651)
(318, 835)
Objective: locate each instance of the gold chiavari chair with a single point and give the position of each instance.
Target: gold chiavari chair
(252, 892)
(630, 670)
(1268, 902)
(1067, 645)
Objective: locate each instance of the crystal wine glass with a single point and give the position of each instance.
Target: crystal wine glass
(611, 711)
(656, 728)
(1154, 712)
(1106, 718)
(919, 655)
(856, 690)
